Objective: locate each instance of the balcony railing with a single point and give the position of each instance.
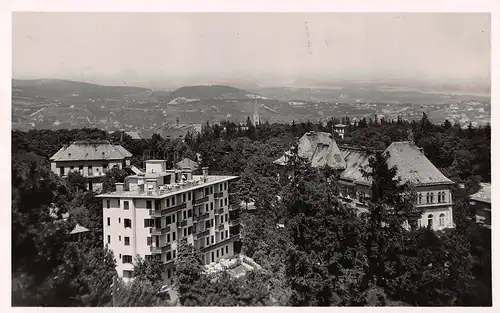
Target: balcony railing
(203, 234)
(166, 247)
(218, 195)
(155, 231)
(234, 207)
(235, 221)
(165, 230)
(220, 227)
(174, 208)
(202, 200)
(155, 249)
(202, 217)
(182, 223)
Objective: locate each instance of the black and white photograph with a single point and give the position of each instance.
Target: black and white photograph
(259, 159)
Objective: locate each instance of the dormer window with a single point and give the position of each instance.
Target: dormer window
(103, 154)
(69, 155)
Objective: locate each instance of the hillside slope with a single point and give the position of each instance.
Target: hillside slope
(204, 92)
(65, 88)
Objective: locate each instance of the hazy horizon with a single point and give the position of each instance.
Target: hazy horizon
(251, 48)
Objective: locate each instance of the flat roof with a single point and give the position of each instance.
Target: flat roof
(213, 179)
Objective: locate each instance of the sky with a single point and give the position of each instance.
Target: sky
(259, 47)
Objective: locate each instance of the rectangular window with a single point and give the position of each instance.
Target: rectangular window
(119, 220)
(211, 206)
(61, 171)
(127, 223)
(183, 197)
(128, 274)
(173, 236)
(207, 191)
(227, 250)
(148, 241)
(222, 236)
(208, 241)
(173, 218)
(225, 201)
(149, 222)
(212, 223)
(125, 205)
(127, 259)
(190, 230)
(108, 204)
(227, 216)
(119, 238)
(109, 221)
(222, 251)
(211, 189)
(184, 231)
(168, 274)
(213, 259)
(158, 222)
(168, 238)
(189, 196)
(149, 204)
(168, 219)
(173, 200)
(207, 224)
(184, 215)
(212, 239)
(221, 203)
(127, 241)
(227, 233)
(222, 219)
(190, 213)
(173, 254)
(109, 239)
(169, 256)
(206, 207)
(168, 202)
(217, 252)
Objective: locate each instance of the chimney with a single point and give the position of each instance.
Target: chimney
(119, 186)
(205, 173)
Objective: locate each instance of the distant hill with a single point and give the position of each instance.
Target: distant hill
(204, 92)
(65, 88)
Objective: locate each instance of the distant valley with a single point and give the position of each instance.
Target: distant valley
(52, 103)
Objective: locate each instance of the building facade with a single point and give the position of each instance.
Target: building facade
(434, 195)
(92, 159)
(150, 213)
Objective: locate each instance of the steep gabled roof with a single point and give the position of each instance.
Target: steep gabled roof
(320, 149)
(91, 150)
(413, 166)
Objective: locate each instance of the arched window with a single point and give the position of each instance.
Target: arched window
(419, 198)
(432, 197)
(441, 220)
(427, 197)
(430, 219)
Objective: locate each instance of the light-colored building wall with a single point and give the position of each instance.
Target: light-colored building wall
(98, 167)
(183, 217)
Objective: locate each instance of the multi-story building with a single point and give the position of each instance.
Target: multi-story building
(90, 158)
(340, 130)
(148, 214)
(481, 201)
(432, 187)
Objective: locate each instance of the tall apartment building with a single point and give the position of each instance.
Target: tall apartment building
(90, 158)
(148, 214)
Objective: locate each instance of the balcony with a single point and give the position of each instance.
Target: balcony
(234, 207)
(174, 208)
(155, 231)
(219, 211)
(218, 195)
(203, 234)
(220, 227)
(202, 200)
(202, 217)
(166, 247)
(235, 221)
(182, 223)
(165, 230)
(154, 249)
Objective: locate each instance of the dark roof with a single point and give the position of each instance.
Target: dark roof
(356, 159)
(483, 195)
(91, 150)
(320, 149)
(413, 166)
